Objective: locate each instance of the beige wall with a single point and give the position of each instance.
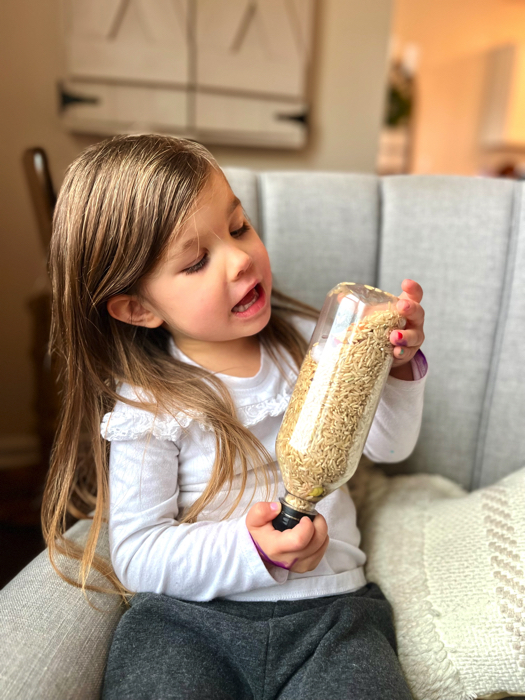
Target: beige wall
(347, 95)
(347, 91)
(454, 37)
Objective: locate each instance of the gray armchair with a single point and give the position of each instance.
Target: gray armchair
(463, 239)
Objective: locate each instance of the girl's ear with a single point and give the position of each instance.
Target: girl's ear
(126, 308)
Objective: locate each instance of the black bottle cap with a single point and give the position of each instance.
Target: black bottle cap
(289, 517)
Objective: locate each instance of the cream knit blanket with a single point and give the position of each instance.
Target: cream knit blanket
(452, 565)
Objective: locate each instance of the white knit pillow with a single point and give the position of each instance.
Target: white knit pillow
(452, 566)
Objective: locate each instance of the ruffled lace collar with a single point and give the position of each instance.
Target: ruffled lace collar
(250, 414)
(267, 394)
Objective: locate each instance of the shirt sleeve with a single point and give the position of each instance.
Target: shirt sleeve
(397, 422)
(152, 552)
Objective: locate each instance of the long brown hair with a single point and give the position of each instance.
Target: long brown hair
(121, 202)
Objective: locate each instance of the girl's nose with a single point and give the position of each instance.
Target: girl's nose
(239, 262)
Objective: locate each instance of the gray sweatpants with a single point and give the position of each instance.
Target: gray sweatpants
(332, 648)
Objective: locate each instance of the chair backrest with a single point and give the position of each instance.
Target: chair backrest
(47, 404)
(463, 239)
(38, 176)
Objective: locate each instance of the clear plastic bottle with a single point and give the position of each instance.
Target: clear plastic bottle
(332, 407)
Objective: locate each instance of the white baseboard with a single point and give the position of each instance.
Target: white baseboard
(19, 451)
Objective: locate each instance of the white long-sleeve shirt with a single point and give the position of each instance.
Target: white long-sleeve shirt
(160, 466)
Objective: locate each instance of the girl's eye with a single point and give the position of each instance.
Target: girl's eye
(204, 260)
(238, 232)
(198, 265)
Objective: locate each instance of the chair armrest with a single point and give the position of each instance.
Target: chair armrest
(53, 643)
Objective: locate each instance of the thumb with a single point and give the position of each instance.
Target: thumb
(262, 513)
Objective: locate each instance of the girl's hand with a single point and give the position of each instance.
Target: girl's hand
(300, 549)
(408, 340)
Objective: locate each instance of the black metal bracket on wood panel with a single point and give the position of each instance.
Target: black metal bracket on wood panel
(67, 98)
(301, 118)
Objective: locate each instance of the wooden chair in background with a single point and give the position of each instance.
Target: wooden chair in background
(22, 488)
(38, 176)
(46, 401)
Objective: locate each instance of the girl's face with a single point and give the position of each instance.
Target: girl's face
(214, 264)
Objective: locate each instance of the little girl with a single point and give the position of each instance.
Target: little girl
(179, 352)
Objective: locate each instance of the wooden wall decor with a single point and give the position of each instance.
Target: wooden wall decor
(220, 71)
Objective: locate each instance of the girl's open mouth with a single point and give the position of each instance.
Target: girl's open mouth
(252, 302)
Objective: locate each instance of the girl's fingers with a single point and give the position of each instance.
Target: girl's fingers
(407, 341)
(411, 290)
(319, 539)
(412, 311)
(411, 338)
(404, 354)
(305, 538)
(298, 538)
(311, 562)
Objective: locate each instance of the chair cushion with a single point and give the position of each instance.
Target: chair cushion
(54, 644)
(320, 229)
(452, 566)
(451, 234)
